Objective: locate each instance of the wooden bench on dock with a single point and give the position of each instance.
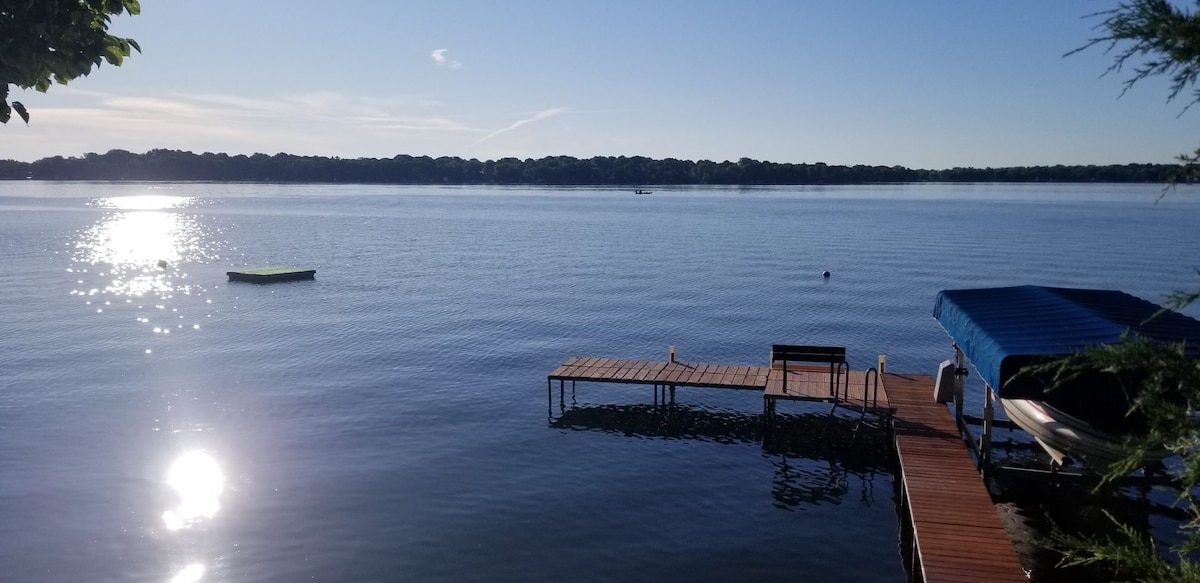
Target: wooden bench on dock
(834, 356)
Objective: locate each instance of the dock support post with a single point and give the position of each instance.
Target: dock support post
(672, 394)
(959, 361)
(985, 440)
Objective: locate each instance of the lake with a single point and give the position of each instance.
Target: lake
(390, 420)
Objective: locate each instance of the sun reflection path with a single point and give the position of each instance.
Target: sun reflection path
(197, 479)
(190, 574)
(143, 202)
(142, 242)
(136, 254)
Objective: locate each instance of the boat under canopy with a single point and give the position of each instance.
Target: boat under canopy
(1002, 330)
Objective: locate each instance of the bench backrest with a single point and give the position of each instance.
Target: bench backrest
(795, 353)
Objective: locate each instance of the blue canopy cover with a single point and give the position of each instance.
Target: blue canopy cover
(1004, 329)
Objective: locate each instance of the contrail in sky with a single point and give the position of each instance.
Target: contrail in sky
(535, 117)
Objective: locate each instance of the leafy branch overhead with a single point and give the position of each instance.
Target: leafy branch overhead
(1164, 39)
(56, 40)
(1155, 38)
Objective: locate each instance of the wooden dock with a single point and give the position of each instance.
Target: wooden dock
(952, 528)
(805, 382)
(956, 533)
(647, 372)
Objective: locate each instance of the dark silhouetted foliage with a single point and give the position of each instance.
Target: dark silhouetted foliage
(56, 40)
(549, 171)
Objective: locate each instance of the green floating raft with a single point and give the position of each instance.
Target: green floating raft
(271, 274)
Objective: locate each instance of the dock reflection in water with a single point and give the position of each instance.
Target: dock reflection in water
(816, 457)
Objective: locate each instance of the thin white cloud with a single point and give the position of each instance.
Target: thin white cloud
(340, 108)
(155, 108)
(439, 57)
(230, 102)
(312, 123)
(413, 123)
(538, 116)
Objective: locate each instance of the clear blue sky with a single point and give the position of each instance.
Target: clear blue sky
(929, 84)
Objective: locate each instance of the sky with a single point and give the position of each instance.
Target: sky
(922, 84)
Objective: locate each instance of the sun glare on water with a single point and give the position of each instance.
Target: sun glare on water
(142, 242)
(138, 238)
(197, 479)
(190, 574)
(144, 202)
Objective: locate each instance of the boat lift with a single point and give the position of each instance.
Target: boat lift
(1004, 330)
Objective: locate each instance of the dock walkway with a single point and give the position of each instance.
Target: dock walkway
(956, 533)
(952, 529)
(647, 372)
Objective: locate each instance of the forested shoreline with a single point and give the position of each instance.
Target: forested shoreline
(176, 165)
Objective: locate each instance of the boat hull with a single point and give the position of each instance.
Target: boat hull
(1069, 435)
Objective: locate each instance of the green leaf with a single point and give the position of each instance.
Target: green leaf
(60, 40)
(112, 54)
(20, 109)
(5, 113)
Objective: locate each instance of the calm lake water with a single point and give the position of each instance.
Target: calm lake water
(390, 421)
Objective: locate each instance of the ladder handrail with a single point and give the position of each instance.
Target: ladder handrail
(871, 372)
(839, 379)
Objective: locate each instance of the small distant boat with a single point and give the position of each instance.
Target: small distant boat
(640, 191)
(271, 274)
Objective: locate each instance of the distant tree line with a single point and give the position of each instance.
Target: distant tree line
(552, 170)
